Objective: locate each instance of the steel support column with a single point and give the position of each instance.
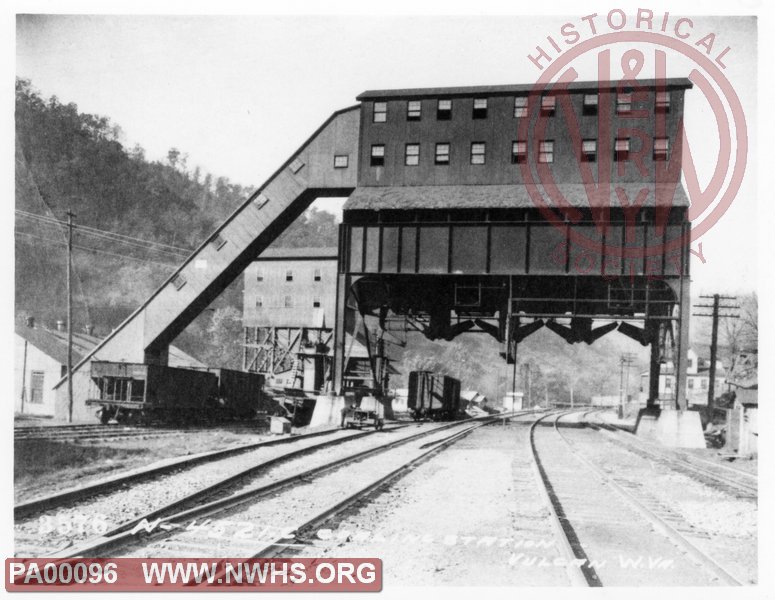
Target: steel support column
(655, 369)
(680, 357)
(338, 367)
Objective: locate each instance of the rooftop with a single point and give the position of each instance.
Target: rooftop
(524, 88)
(323, 253)
(54, 343)
(499, 196)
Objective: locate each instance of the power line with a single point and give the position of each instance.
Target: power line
(107, 234)
(86, 248)
(118, 237)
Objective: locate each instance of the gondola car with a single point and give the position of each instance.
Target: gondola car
(433, 396)
(135, 392)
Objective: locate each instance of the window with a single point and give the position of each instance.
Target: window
(380, 112)
(289, 275)
(413, 110)
(288, 302)
(477, 153)
(590, 105)
(316, 303)
(412, 155)
(662, 102)
(36, 387)
(217, 241)
(704, 383)
(520, 106)
(589, 150)
(259, 301)
(260, 201)
(259, 275)
(668, 383)
(690, 383)
(341, 161)
(444, 110)
(442, 154)
(621, 149)
(480, 108)
(378, 155)
(623, 103)
(546, 151)
(317, 276)
(178, 281)
(661, 146)
(518, 152)
(548, 104)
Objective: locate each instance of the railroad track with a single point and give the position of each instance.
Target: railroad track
(586, 521)
(34, 506)
(177, 528)
(116, 432)
(741, 484)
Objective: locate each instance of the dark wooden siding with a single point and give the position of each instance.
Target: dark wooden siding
(500, 129)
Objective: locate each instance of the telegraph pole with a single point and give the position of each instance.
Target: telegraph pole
(715, 315)
(625, 360)
(70, 217)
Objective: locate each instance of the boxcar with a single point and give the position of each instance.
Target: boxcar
(433, 396)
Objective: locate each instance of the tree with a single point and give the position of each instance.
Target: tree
(224, 335)
(314, 229)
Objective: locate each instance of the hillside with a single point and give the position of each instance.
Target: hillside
(137, 220)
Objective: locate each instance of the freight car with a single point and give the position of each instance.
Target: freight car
(433, 396)
(135, 392)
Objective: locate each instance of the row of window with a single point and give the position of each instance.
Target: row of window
(519, 152)
(316, 276)
(690, 383)
(287, 303)
(624, 103)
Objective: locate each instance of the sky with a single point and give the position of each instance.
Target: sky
(238, 94)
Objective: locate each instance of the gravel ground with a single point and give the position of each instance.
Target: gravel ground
(720, 456)
(723, 527)
(81, 521)
(92, 516)
(618, 542)
(470, 516)
(41, 466)
(244, 530)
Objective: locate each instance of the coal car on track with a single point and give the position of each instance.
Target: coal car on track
(136, 392)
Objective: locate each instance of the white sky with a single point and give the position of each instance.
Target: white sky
(238, 94)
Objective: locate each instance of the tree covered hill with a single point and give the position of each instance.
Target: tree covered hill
(68, 160)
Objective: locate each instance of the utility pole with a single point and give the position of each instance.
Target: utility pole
(24, 377)
(514, 379)
(625, 360)
(715, 315)
(70, 217)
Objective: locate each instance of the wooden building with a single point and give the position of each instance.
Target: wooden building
(289, 307)
(501, 209)
(41, 361)
(495, 209)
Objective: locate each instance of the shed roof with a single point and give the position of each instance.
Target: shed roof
(500, 196)
(523, 88)
(54, 344)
